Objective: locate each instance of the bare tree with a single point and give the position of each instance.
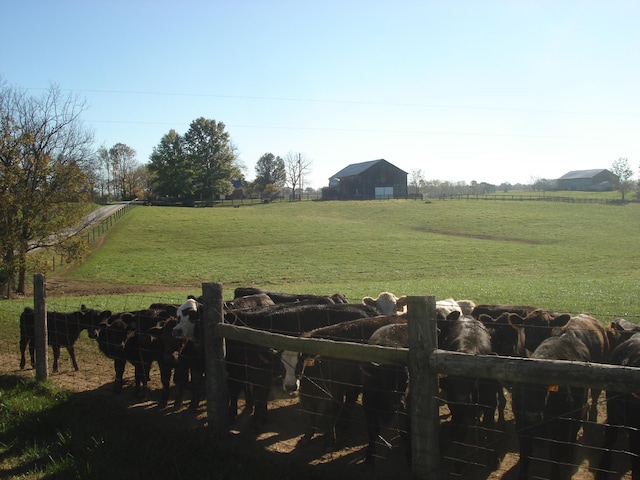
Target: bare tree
(123, 165)
(297, 166)
(622, 170)
(416, 181)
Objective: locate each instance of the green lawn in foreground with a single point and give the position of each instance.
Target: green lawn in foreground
(570, 257)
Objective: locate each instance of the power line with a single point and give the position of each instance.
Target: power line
(333, 101)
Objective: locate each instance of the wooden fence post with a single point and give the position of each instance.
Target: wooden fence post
(216, 376)
(423, 384)
(40, 324)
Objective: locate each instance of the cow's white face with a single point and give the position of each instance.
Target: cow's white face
(187, 315)
(290, 362)
(386, 302)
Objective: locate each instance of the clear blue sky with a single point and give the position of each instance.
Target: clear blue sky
(464, 90)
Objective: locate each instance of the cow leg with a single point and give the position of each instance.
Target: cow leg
(610, 437)
(502, 403)
(344, 415)
(260, 395)
(181, 379)
(165, 379)
(489, 393)
(197, 384)
(593, 408)
(118, 366)
(72, 354)
(24, 343)
(56, 357)
(561, 454)
(141, 370)
(523, 430)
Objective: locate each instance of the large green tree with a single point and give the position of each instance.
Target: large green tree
(43, 151)
(270, 170)
(171, 172)
(200, 163)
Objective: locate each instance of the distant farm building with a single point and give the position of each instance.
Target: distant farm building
(375, 179)
(598, 180)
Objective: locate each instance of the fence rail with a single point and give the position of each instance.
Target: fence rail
(528, 198)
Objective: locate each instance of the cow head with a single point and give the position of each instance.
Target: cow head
(386, 302)
(188, 317)
(290, 361)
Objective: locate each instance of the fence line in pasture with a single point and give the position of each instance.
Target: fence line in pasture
(426, 364)
(93, 232)
(527, 198)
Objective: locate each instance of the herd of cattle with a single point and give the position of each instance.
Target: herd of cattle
(171, 336)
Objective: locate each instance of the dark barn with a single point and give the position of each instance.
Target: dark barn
(598, 180)
(375, 179)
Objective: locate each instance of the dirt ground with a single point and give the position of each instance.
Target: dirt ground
(287, 424)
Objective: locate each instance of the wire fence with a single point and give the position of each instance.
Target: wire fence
(330, 413)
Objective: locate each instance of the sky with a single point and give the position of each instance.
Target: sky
(462, 90)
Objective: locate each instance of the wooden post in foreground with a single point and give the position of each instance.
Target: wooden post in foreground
(40, 326)
(423, 384)
(216, 376)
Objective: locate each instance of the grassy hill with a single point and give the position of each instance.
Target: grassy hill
(563, 256)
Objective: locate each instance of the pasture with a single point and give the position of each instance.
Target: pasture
(564, 257)
(567, 257)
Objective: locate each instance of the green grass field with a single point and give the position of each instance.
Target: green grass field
(561, 256)
(567, 257)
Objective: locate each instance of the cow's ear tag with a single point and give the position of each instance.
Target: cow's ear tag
(309, 362)
(553, 388)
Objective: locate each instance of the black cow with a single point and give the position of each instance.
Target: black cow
(251, 367)
(329, 387)
(255, 366)
(185, 357)
(283, 297)
(129, 337)
(496, 310)
(471, 401)
(63, 330)
(385, 391)
(551, 411)
(623, 411)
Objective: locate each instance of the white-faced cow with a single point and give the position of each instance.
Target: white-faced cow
(386, 302)
(254, 366)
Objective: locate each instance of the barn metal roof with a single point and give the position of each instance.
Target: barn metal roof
(576, 174)
(356, 168)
